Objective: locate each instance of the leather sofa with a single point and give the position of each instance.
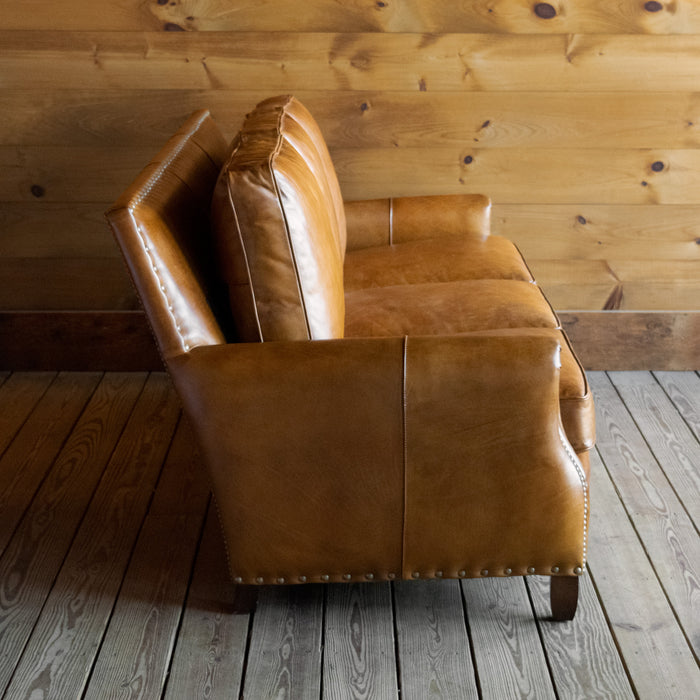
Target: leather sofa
(380, 390)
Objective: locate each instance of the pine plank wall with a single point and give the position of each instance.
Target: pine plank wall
(580, 118)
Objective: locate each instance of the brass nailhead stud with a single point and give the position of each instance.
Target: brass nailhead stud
(347, 577)
(578, 570)
(302, 579)
(461, 574)
(260, 579)
(415, 574)
(391, 576)
(531, 570)
(369, 577)
(508, 572)
(325, 577)
(438, 574)
(280, 579)
(484, 572)
(238, 579)
(555, 569)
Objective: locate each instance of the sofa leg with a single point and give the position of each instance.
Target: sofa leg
(563, 596)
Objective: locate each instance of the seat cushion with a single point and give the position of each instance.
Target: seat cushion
(446, 308)
(279, 225)
(443, 259)
(505, 308)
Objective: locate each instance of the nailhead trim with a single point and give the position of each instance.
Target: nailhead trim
(582, 476)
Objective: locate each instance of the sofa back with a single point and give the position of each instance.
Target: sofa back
(161, 223)
(279, 225)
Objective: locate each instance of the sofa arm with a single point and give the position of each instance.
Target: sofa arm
(376, 222)
(376, 458)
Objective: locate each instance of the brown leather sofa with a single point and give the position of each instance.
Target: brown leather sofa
(438, 424)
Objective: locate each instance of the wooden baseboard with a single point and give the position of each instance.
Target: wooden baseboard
(122, 341)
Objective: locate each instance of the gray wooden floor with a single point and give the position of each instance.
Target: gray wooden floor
(113, 584)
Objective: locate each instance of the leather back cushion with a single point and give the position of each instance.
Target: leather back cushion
(279, 225)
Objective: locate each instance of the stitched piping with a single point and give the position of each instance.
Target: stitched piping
(404, 404)
(271, 159)
(584, 485)
(138, 199)
(391, 221)
(161, 286)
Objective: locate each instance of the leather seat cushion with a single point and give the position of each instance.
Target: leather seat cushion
(443, 259)
(446, 308)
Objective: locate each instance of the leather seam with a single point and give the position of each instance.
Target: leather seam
(273, 155)
(161, 286)
(404, 412)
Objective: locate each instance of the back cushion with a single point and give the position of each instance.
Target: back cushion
(279, 225)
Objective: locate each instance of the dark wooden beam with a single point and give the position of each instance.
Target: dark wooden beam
(122, 341)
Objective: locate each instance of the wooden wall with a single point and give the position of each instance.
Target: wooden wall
(581, 119)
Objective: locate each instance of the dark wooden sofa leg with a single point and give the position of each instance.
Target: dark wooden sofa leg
(563, 596)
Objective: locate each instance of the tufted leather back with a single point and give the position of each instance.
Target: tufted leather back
(161, 223)
(279, 222)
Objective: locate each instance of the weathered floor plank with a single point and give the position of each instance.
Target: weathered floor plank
(670, 538)
(136, 651)
(654, 649)
(19, 394)
(666, 433)
(359, 661)
(211, 645)
(36, 552)
(58, 659)
(93, 599)
(581, 654)
(683, 388)
(433, 644)
(510, 661)
(284, 660)
(32, 452)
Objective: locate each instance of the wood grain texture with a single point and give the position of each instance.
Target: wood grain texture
(67, 635)
(666, 433)
(601, 232)
(68, 284)
(358, 15)
(359, 656)
(211, 645)
(284, 61)
(507, 652)
(284, 657)
(433, 643)
(35, 553)
(137, 647)
(633, 340)
(651, 644)
(117, 341)
(582, 656)
(683, 388)
(670, 537)
(363, 118)
(18, 395)
(33, 451)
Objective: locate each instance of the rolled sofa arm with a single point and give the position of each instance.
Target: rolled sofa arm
(376, 222)
(388, 457)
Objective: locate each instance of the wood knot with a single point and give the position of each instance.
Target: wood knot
(37, 190)
(545, 11)
(581, 220)
(653, 6)
(657, 166)
(468, 159)
(172, 27)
